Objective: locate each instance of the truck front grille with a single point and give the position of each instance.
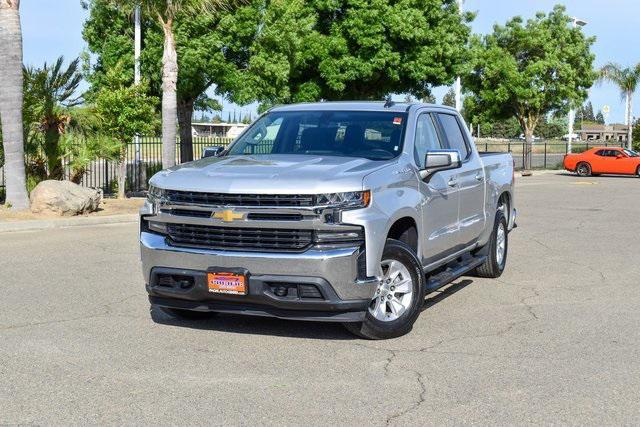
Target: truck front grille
(221, 199)
(240, 239)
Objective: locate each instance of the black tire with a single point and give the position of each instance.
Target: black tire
(374, 329)
(491, 268)
(187, 314)
(583, 169)
(638, 172)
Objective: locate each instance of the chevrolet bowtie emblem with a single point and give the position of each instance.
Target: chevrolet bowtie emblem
(227, 215)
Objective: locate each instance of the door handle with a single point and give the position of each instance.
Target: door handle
(453, 182)
(479, 177)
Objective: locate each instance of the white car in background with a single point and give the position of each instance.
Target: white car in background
(535, 138)
(574, 137)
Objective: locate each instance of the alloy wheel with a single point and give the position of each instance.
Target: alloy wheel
(394, 293)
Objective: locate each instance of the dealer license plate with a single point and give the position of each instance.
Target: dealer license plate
(227, 283)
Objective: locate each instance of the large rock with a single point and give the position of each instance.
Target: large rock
(64, 198)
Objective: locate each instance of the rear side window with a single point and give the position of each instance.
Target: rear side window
(452, 131)
(601, 153)
(426, 138)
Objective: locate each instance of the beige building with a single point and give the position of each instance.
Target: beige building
(597, 132)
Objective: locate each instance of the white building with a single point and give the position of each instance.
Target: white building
(225, 130)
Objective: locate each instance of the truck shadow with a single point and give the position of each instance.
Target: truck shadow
(236, 324)
(252, 325)
(436, 296)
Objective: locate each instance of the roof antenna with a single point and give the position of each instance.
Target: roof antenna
(388, 102)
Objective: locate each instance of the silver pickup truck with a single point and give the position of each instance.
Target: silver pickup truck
(344, 212)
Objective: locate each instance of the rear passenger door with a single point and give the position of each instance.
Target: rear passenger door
(469, 179)
(439, 195)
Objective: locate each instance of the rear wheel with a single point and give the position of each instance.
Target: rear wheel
(496, 250)
(396, 304)
(638, 172)
(583, 169)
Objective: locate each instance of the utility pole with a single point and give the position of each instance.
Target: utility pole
(458, 84)
(137, 45)
(136, 73)
(575, 23)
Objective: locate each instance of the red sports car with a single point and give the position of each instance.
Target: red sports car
(599, 160)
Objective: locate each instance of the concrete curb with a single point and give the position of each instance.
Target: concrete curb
(29, 225)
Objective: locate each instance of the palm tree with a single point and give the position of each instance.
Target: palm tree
(627, 80)
(52, 90)
(11, 104)
(166, 12)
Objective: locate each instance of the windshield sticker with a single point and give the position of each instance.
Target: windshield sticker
(397, 120)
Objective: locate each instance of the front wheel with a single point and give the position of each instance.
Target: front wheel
(396, 304)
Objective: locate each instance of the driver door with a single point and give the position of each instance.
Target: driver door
(440, 196)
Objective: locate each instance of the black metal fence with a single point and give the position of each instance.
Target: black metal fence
(144, 158)
(544, 154)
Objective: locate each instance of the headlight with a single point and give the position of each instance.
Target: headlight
(350, 200)
(336, 236)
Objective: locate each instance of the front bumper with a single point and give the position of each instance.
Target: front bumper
(334, 272)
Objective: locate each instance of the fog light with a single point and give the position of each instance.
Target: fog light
(158, 227)
(281, 291)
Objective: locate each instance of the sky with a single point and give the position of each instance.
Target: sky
(54, 27)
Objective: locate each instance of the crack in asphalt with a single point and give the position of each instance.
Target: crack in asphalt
(421, 399)
(419, 377)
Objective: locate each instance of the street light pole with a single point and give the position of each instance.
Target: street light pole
(136, 73)
(137, 45)
(458, 84)
(575, 22)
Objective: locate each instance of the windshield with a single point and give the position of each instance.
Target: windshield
(631, 153)
(372, 135)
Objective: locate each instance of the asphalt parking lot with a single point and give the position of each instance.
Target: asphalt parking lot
(556, 340)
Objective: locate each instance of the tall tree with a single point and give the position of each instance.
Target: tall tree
(11, 104)
(345, 49)
(213, 50)
(166, 13)
(429, 99)
(528, 70)
(52, 90)
(449, 98)
(626, 78)
(587, 112)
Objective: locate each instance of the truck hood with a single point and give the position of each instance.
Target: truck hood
(269, 174)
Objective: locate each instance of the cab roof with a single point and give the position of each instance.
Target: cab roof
(396, 107)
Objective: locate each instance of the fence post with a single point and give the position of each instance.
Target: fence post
(545, 154)
(107, 187)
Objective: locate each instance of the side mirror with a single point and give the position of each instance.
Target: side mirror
(440, 160)
(212, 151)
